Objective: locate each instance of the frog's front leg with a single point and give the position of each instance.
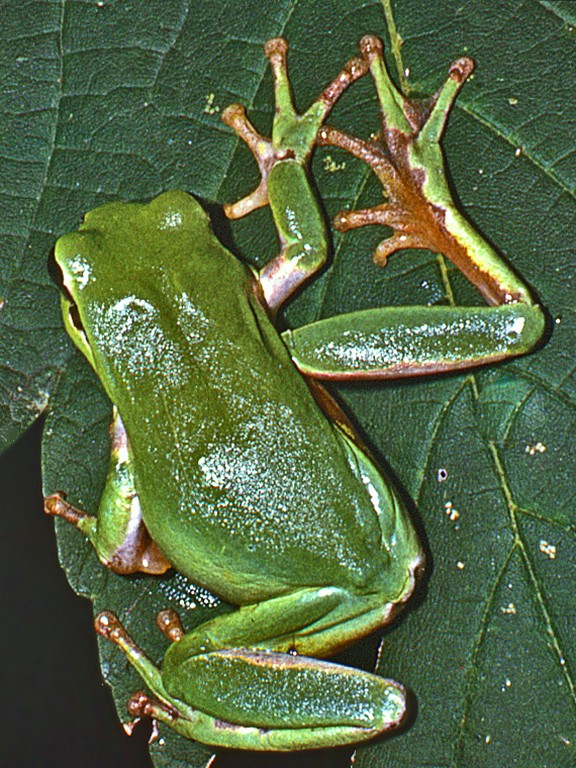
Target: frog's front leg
(117, 532)
(420, 210)
(283, 161)
(238, 682)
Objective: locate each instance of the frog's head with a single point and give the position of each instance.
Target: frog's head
(121, 250)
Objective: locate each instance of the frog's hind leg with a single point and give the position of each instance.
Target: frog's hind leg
(395, 342)
(409, 163)
(420, 210)
(370, 704)
(239, 682)
(117, 533)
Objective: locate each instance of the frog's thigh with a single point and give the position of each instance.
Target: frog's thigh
(298, 702)
(235, 669)
(405, 341)
(118, 533)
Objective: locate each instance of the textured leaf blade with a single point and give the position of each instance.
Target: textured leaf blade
(122, 101)
(495, 488)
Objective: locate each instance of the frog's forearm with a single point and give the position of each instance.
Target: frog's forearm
(301, 230)
(118, 534)
(283, 161)
(408, 341)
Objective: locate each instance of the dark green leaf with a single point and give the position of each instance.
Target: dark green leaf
(108, 100)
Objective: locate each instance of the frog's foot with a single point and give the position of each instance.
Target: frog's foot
(161, 707)
(293, 135)
(141, 705)
(235, 117)
(107, 625)
(400, 213)
(408, 162)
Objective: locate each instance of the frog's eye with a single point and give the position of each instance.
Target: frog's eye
(74, 317)
(71, 313)
(71, 308)
(55, 271)
(74, 325)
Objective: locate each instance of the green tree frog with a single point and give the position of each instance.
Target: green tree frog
(228, 464)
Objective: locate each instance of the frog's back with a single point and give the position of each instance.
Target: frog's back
(254, 486)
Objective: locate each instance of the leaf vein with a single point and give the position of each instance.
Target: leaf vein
(471, 672)
(536, 588)
(510, 139)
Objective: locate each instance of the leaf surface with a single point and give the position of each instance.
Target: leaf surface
(103, 101)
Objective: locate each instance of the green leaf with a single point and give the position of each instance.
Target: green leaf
(107, 100)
